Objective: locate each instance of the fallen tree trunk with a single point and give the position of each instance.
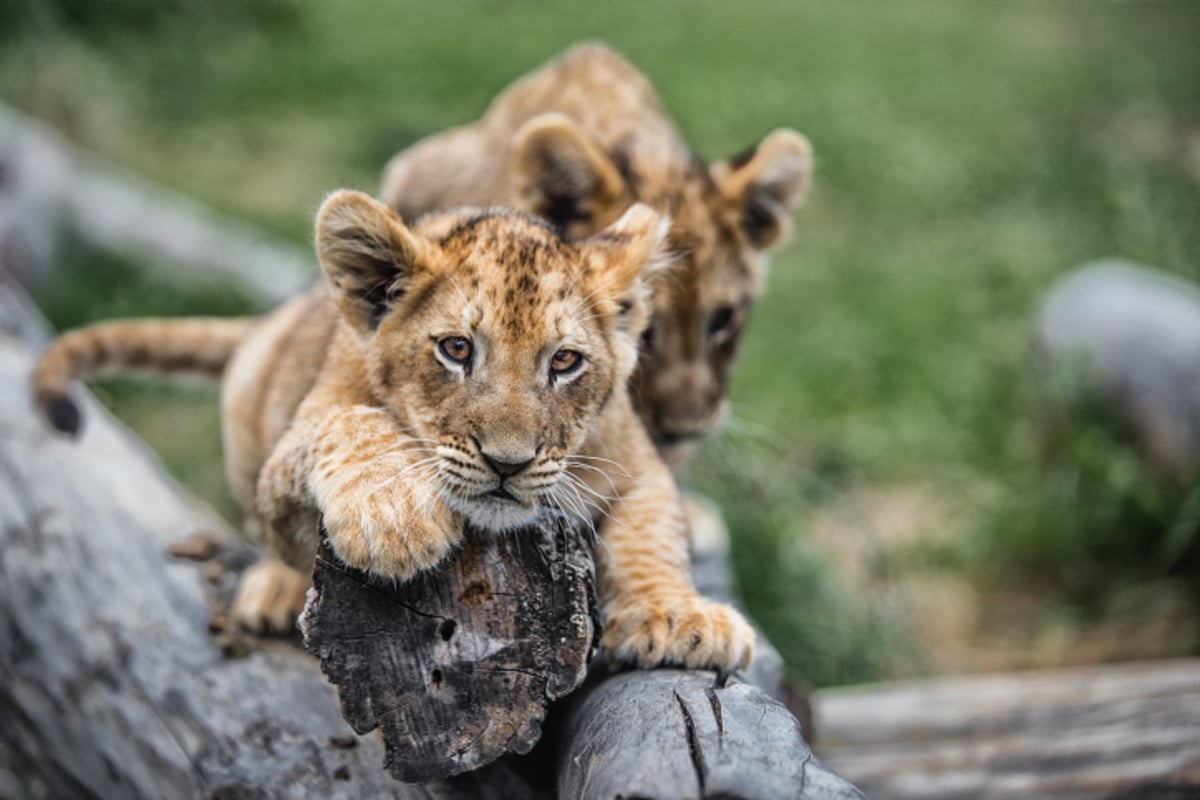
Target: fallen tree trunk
(1126, 731)
(47, 185)
(112, 686)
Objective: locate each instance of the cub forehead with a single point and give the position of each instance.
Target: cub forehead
(499, 231)
(513, 274)
(714, 264)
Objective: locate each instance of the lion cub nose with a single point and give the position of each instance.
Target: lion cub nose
(506, 469)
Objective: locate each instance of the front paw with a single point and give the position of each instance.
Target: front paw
(387, 532)
(270, 597)
(684, 630)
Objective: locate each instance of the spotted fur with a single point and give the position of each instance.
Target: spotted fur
(576, 142)
(469, 369)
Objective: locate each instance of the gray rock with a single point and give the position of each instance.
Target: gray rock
(1128, 337)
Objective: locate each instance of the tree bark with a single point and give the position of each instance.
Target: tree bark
(676, 734)
(458, 665)
(1127, 731)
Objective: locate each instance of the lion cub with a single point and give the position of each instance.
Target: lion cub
(471, 368)
(580, 139)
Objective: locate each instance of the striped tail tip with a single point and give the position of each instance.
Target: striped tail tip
(61, 412)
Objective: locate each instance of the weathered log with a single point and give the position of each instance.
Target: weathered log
(47, 185)
(458, 665)
(712, 576)
(1128, 731)
(675, 734)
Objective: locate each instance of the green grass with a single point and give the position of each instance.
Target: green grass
(967, 155)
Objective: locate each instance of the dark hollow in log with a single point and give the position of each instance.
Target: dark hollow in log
(457, 665)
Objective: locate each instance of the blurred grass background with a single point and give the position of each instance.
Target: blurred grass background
(892, 508)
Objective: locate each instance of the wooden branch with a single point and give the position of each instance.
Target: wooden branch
(1128, 731)
(458, 665)
(47, 184)
(711, 575)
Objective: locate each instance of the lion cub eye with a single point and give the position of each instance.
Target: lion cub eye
(647, 340)
(720, 323)
(456, 348)
(565, 362)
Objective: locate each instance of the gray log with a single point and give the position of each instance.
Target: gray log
(47, 185)
(674, 734)
(1129, 731)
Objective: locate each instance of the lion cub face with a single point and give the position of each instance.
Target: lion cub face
(496, 343)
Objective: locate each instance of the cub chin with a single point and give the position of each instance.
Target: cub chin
(472, 369)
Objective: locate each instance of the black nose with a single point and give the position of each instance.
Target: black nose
(506, 468)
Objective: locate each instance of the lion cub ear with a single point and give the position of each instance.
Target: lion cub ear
(561, 175)
(630, 252)
(765, 184)
(368, 256)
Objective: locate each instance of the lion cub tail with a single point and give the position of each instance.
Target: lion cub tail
(199, 346)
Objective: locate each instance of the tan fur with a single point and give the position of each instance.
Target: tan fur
(164, 345)
(580, 139)
(350, 401)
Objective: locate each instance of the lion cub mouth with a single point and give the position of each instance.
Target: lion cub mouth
(501, 493)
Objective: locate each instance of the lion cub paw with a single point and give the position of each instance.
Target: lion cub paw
(387, 533)
(684, 630)
(270, 597)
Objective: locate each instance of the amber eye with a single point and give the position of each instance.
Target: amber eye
(565, 362)
(456, 348)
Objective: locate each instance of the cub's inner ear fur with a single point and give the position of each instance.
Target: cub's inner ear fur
(630, 252)
(564, 177)
(766, 183)
(368, 255)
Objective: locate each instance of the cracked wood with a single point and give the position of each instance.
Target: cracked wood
(458, 665)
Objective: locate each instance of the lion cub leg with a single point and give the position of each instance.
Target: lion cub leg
(271, 593)
(652, 613)
(374, 489)
(270, 597)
